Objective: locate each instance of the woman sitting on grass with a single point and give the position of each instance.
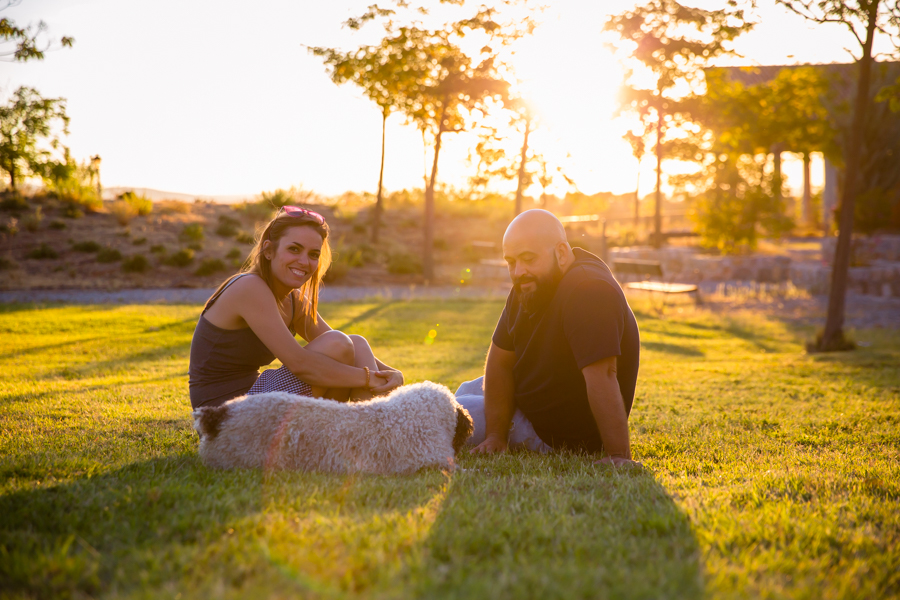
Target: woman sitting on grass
(253, 316)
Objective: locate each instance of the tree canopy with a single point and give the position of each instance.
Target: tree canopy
(30, 126)
(666, 44)
(23, 43)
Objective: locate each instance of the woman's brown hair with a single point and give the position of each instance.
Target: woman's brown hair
(260, 265)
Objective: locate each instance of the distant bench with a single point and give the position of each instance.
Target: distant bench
(651, 268)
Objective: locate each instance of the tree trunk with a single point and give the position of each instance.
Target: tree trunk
(376, 214)
(520, 187)
(776, 175)
(833, 336)
(637, 201)
(806, 208)
(657, 215)
(12, 176)
(428, 250)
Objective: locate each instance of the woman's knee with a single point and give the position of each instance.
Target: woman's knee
(335, 344)
(359, 342)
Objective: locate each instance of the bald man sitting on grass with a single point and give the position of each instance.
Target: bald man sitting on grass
(563, 360)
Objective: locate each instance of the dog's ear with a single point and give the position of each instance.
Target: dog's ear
(208, 421)
(464, 428)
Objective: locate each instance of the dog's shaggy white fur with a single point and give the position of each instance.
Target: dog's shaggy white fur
(416, 426)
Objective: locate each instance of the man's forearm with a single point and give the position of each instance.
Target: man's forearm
(499, 404)
(608, 408)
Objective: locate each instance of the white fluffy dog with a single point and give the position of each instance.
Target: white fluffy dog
(416, 426)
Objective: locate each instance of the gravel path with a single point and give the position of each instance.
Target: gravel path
(863, 312)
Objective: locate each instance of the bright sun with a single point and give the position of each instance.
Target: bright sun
(572, 80)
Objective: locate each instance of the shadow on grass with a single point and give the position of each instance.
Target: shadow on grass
(360, 318)
(146, 524)
(48, 347)
(672, 349)
(119, 363)
(530, 526)
(520, 525)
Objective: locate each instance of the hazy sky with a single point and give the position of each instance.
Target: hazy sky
(220, 97)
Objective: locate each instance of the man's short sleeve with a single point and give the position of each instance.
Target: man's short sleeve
(502, 338)
(594, 321)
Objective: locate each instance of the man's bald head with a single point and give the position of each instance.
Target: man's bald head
(537, 254)
(537, 229)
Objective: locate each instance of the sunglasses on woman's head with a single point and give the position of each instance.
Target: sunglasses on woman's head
(296, 211)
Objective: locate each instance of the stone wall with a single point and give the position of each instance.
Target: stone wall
(880, 278)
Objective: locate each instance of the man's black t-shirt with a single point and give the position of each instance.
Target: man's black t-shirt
(587, 319)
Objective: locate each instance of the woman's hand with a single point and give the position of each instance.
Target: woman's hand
(391, 379)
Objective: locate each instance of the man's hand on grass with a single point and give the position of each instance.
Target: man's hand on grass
(619, 461)
(490, 445)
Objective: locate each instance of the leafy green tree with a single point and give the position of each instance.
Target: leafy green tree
(453, 86)
(863, 18)
(788, 112)
(29, 123)
(737, 204)
(383, 72)
(891, 95)
(669, 43)
(20, 44)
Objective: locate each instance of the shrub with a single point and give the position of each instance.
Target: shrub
(13, 201)
(33, 221)
(168, 207)
(196, 246)
(182, 258)
(234, 253)
(71, 183)
(72, 211)
(359, 228)
(404, 263)
(258, 211)
(11, 227)
(337, 270)
(108, 255)
(139, 241)
(158, 249)
(43, 252)
(228, 226)
(123, 212)
(191, 233)
(245, 238)
(7, 264)
(137, 263)
(210, 266)
(142, 205)
(57, 224)
(88, 246)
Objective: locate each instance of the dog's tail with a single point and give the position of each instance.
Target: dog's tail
(208, 420)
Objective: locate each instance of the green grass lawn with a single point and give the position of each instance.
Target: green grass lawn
(770, 473)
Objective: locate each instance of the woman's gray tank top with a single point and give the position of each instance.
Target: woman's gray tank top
(225, 362)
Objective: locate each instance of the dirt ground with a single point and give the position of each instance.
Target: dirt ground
(39, 246)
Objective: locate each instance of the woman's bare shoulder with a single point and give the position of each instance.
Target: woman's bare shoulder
(248, 286)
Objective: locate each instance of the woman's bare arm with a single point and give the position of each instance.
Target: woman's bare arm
(310, 331)
(255, 303)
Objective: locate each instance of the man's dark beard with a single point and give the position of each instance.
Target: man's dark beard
(534, 302)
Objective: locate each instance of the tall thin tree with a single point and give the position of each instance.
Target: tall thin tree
(864, 19)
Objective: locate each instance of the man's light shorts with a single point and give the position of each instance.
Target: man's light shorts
(471, 396)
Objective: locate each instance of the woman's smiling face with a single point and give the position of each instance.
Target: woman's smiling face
(295, 257)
